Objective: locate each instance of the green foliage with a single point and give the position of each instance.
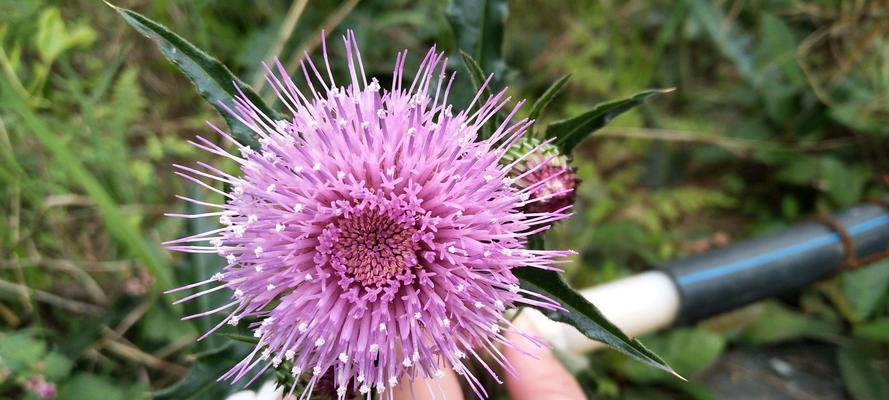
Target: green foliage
(863, 381)
(569, 132)
(584, 316)
(213, 80)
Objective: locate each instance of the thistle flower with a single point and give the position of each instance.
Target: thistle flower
(371, 237)
(552, 180)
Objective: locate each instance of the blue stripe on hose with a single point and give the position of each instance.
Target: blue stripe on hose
(762, 259)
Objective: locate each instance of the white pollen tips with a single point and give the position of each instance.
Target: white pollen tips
(411, 131)
(487, 253)
(340, 175)
(295, 371)
(270, 287)
(308, 277)
(297, 169)
(438, 373)
(239, 230)
(459, 354)
(270, 188)
(302, 327)
(252, 218)
(478, 304)
(499, 304)
(488, 178)
(364, 389)
(279, 227)
(390, 171)
(418, 316)
(460, 288)
(276, 361)
(258, 268)
(266, 354)
(407, 362)
(258, 251)
(393, 381)
(218, 276)
(360, 378)
(416, 356)
(495, 328)
(514, 289)
(239, 293)
(316, 371)
(382, 327)
(452, 249)
(234, 320)
(316, 167)
(231, 258)
(344, 358)
(446, 323)
(373, 348)
(320, 342)
(298, 208)
(506, 252)
(289, 354)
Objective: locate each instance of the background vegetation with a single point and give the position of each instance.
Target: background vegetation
(781, 111)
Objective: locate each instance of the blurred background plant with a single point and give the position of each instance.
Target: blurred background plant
(781, 111)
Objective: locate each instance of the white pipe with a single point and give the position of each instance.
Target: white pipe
(638, 304)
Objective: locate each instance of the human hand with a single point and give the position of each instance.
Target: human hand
(539, 375)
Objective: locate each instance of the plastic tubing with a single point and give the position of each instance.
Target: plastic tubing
(689, 290)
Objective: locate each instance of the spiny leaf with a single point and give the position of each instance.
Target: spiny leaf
(584, 316)
(569, 132)
(213, 80)
(548, 96)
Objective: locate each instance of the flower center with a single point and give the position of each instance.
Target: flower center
(373, 248)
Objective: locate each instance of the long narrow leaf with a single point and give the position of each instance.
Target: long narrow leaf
(569, 132)
(213, 80)
(584, 316)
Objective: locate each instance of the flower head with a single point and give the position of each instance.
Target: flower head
(370, 237)
(545, 173)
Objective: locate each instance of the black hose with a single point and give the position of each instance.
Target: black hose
(730, 277)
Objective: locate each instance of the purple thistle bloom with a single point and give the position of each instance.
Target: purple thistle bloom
(553, 180)
(371, 237)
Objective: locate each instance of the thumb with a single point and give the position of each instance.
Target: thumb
(543, 378)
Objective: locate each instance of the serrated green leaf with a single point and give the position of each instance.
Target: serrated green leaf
(584, 316)
(569, 132)
(548, 96)
(862, 381)
(213, 80)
